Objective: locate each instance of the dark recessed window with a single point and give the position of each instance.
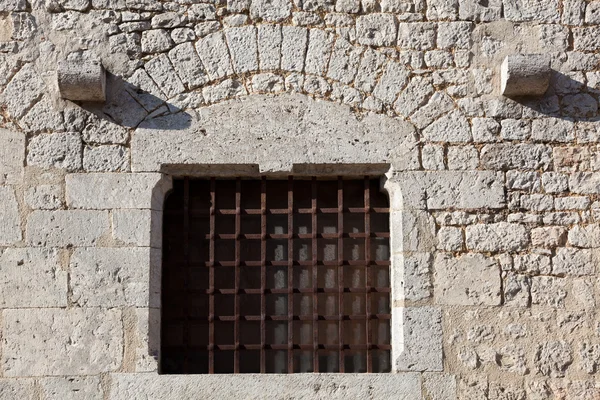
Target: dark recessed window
(275, 276)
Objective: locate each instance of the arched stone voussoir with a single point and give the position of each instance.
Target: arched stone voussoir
(268, 130)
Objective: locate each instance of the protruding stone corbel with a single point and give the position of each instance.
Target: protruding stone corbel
(81, 80)
(525, 75)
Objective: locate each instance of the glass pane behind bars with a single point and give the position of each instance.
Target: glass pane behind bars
(276, 276)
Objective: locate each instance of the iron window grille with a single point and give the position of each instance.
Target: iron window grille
(275, 276)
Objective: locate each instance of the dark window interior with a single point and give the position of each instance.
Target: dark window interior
(275, 276)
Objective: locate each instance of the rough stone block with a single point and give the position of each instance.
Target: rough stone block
(71, 388)
(10, 221)
(584, 39)
(376, 30)
(32, 277)
(370, 68)
(146, 338)
(500, 236)
(391, 82)
(465, 190)
(319, 50)
(17, 389)
(51, 341)
(188, 66)
(574, 262)
(416, 35)
(23, 91)
(45, 197)
(293, 48)
(553, 358)
(516, 156)
(66, 228)
(585, 182)
(548, 237)
(442, 10)
(414, 283)
(102, 131)
(12, 156)
(227, 89)
(585, 236)
(213, 52)
(156, 41)
(548, 291)
(439, 386)
(533, 264)
(162, 72)
(553, 130)
(58, 150)
(469, 280)
(452, 127)
(532, 10)
(269, 46)
(517, 290)
(270, 11)
(137, 227)
(417, 231)
(450, 239)
(421, 347)
(115, 277)
(476, 10)
(272, 386)
(111, 158)
(115, 190)
(525, 75)
(243, 48)
(81, 80)
(344, 61)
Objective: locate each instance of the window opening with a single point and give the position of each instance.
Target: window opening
(275, 276)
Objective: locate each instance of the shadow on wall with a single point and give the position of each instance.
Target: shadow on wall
(129, 105)
(568, 97)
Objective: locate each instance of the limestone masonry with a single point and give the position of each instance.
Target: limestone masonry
(494, 200)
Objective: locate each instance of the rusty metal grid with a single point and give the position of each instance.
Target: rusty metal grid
(275, 276)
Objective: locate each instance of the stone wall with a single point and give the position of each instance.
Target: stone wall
(495, 201)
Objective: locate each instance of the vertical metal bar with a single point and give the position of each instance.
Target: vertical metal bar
(290, 282)
(340, 260)
(367, 272)
(315, 275)
(238, 232)
(263, 272)
(211, 283)
(186, 253)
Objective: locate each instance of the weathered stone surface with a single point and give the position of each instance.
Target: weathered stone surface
(416, 35)
(415, 280)
(10, 226)
(585, 236)
(111, 158)
(391, 82)
(269, 46)
(52, 341)
(58, 150)
(574, 262)
(156, 41)
(23, 91)
(439, 386)
(516, 156)
(501, 236)
(585, 182)
(466, 190)
(468, 280)
(344, 61)
(102, 131)
(548, 291)
(421, 348)
(66, 228)
(162, 72)
(293, 48)
(113, 190)
(81, 79)
(516, 290)
(376, 29)
(188, 66)
(213, 52)
(319, 51)
(553, 358)
(528, 10)
(270, 11)
(452, 127)
(71, 388)
(137, 227)
(283, 126)
(450, 239)
(32, 277)
(550, 237)
(533, 264)
(243, 47)
(115, 277)
(163, 387)
(45, 197)
(12, 156)
(17, 388)
(474, 10)
(552, 130)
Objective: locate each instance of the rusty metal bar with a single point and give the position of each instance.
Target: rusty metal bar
(211, 279)
(315, 275)
(263, 273)
(290, 282)
(238, 231)
(367, 273)
(340, 261)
